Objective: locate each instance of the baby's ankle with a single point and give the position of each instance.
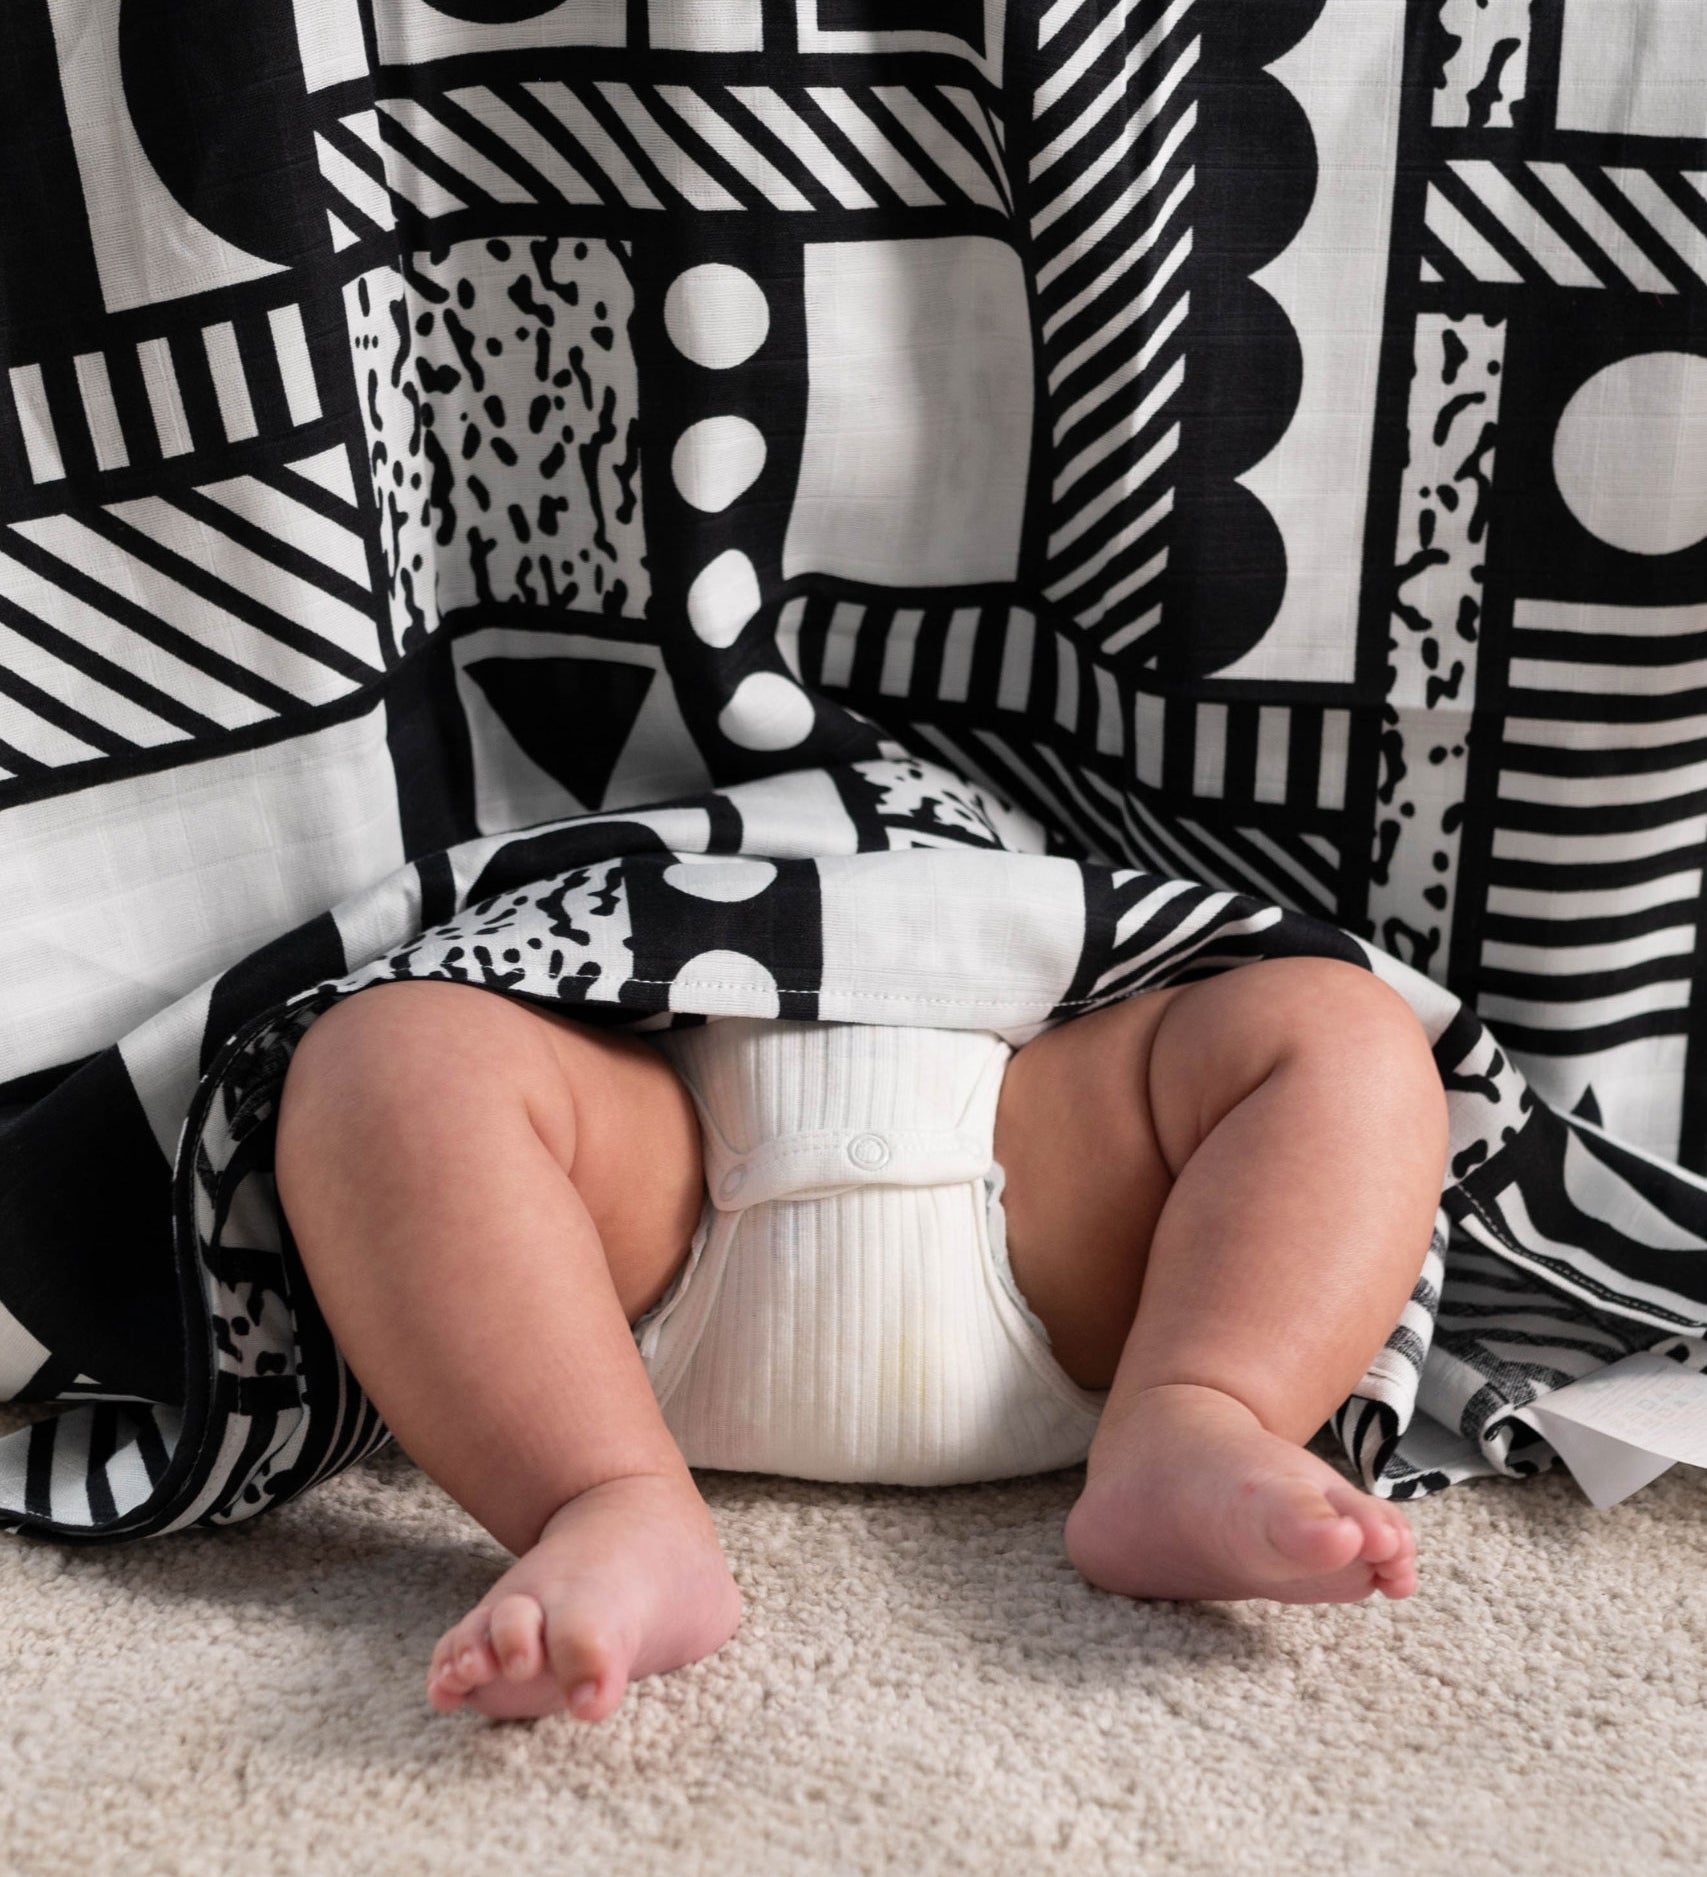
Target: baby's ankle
(1150, 1411)
(669, 1490)
(1180, 1395)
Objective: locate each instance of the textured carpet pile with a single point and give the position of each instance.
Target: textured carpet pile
(921, 1683)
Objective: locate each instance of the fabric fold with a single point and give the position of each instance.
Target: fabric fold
(942, 516)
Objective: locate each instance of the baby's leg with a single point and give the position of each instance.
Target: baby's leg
(1252, 1165)
(484, 1195)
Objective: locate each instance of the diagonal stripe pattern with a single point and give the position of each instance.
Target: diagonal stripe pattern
(159, 621)
(1110, 180)
(662, 147)
(1577, 225)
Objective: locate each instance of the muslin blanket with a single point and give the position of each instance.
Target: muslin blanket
(938, 512)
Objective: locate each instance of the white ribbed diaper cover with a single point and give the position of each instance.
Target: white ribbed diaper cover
(843, 1313)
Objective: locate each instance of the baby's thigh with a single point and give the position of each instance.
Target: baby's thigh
(428, 1063)
(637, 1159)
(1100, 1115)
(1086, 1177)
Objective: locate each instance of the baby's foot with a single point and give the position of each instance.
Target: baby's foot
(626, 1580)
(1194, 1498)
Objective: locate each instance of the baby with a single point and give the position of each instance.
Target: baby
(567, 1263)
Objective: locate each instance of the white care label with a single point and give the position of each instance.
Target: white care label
(1625, 1425)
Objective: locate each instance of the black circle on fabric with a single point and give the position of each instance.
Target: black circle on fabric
(1226, 579)
(219, 104)
(1255, 35)
(494, 12)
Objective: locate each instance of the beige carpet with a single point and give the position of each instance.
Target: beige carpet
(921, 1684)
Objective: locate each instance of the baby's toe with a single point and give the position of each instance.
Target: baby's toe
(590, 1666)
(1307, 1532)
(446, 1684)
(1396, 1572)
(442, 1671)
(1398, 1576)
(464, 1657)
(1384, 1528)
(1407, 1549)
(518, 1626)
(1397, 1585)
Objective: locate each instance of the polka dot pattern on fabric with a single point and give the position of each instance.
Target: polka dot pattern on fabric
(716, 460)
(723, 597)
(716, 315)
(766, 712)
(722, 877)
(725, 983)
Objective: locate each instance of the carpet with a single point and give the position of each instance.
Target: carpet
(922, 1683)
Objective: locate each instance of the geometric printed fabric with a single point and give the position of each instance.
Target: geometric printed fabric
(812, 508)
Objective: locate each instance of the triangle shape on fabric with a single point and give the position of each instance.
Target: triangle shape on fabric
(1588, 1107)
(330, 469)
(341, 236)
(572, 716)
(661, 757)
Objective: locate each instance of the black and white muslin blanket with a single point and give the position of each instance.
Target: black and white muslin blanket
(947, 513)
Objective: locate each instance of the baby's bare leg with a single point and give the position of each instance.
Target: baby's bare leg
(1266, 1187)
(484, 1195)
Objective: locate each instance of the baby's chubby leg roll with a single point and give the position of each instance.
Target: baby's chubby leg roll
(484, 1196)
(1295, 1135)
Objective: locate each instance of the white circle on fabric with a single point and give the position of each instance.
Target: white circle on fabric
(1630, 453)
(767, 711)
(725, 877)
(716, 460)
(716, 315)
(868, 1150)
(726, 984)
(733, 1181)
(723, 597)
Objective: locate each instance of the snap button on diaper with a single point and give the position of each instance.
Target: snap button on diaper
(868, 1151)
(733, 1181)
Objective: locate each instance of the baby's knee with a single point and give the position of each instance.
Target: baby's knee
(376, 1030)
(410, 1045)
(1329, 1018)
(1355, 1030)
(1336, 1007)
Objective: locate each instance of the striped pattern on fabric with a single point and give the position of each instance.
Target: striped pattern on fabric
(1109, 185)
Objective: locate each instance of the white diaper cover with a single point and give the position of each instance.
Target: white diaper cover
(846, 1310)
